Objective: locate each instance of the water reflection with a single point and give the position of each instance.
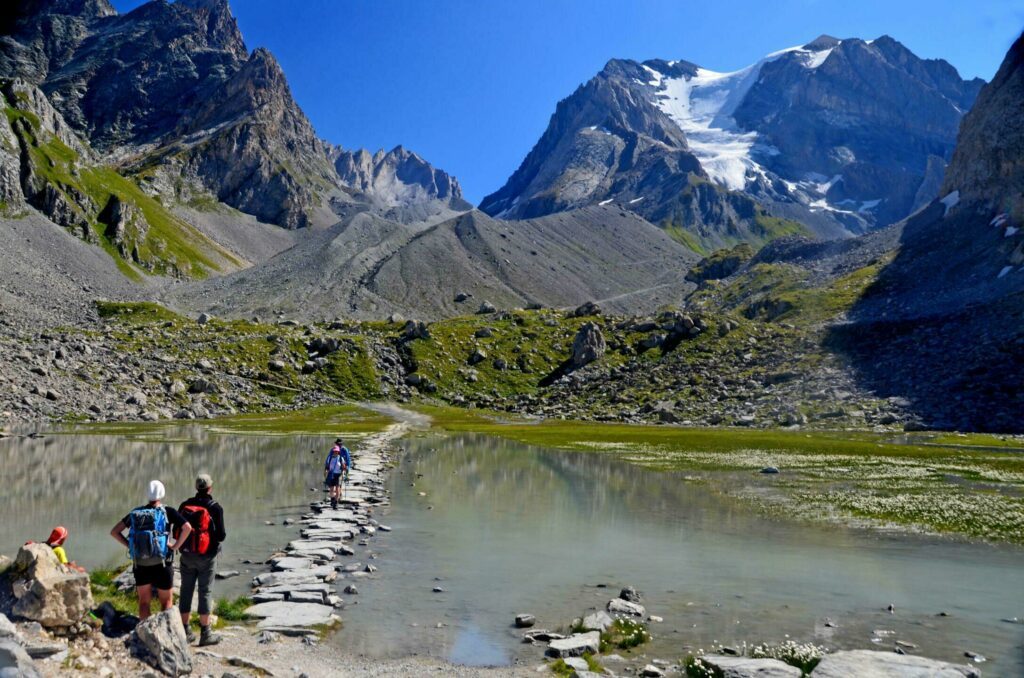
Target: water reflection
(506, 529)
(87, 483)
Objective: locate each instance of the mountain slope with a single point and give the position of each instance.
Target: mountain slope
(944, 323)
(841, 135)
(369, 267)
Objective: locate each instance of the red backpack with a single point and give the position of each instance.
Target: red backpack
(199, 518)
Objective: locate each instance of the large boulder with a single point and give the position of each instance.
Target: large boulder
(160, 642)
(45, 592)
(588, 346)
(873, 664)
(575, 645)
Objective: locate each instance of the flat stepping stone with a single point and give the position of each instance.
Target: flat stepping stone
(575, 645)
(285, 614)
(300, 545)
(283, 590)
(873, 664)
(745, 667)
(290, 563)
(309, 576)
(306, 597)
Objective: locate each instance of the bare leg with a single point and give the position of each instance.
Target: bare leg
(166, 598)
(145, 596)
(204, 620)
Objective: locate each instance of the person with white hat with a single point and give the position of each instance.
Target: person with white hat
(151, 547)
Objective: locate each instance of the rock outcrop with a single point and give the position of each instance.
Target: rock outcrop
(160, 642)
(397, 177)
(588, 345)
(45, 592)
(872, 664)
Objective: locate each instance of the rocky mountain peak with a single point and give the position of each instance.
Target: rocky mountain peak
(221, 27)
(822, 42)
(395, 177)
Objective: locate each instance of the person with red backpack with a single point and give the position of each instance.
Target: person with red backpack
(198, 557)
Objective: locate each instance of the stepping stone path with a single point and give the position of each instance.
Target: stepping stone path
(298, 594)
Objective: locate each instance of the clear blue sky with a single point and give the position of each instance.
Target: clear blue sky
(470, 84)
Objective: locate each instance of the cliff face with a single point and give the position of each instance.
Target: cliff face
(173, 87)
(397, 177)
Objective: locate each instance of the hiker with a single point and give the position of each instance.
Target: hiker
(56, 541)
(198, 558)
(151, 547)
(339, 459)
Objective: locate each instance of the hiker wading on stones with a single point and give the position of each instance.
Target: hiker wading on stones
(339, 459)
(150, 547)
(198, 557)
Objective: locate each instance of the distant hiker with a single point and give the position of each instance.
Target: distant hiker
(198, 557)
(339, 459)
(56, 541)
(151, 548)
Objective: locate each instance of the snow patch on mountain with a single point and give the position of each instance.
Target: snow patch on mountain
(702, 105)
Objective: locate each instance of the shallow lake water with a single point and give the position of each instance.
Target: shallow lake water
(506, 528)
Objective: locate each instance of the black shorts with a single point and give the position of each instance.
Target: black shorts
(160, 577)
(333, 479)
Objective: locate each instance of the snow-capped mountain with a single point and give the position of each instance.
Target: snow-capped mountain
(842, 135)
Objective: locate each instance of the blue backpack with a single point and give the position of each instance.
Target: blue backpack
(147, 535)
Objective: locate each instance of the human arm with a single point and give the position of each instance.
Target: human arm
(220, 531)
(177, 521)
(117, 532)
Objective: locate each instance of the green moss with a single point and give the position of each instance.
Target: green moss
(136, 312)
(352, 372)
(770, 228)
(685, 238)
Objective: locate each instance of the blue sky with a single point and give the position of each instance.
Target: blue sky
(470, 84)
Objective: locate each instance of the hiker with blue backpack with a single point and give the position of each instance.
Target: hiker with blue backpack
(339, 460)
(151, 546)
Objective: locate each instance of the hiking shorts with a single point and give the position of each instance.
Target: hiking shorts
(333, 479)
(160, 577)
(196, 569)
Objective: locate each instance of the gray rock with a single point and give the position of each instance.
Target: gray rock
(588, 345)
(8, 630)
(227, 574)
(575, 645)
(745, 667)
(47, 594)
(477, 356)
(629, 593)
(160, 642)
(597, 621)
(525, 621)
(617, 606)
(486, 307)
(15, 662)
(874, 664)
(203, 318)
(586, 309)
(279, 614)
(651, 671)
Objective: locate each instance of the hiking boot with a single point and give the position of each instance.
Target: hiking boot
(334, 503)
(190, 635)
(208, 637)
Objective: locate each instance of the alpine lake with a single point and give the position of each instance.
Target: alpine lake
(512, 517)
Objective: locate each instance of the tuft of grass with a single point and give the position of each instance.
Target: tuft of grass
(228, 610)
(624, 634)
(136, 312)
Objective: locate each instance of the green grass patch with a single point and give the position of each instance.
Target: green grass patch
(233, 610)
(104, 590)
(624, 634)
(136, 312)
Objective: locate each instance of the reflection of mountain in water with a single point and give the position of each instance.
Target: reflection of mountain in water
(87, 482)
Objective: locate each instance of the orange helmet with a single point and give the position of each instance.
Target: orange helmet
(58, 536)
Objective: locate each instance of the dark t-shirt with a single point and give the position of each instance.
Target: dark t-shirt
(173, 517)
(218, 533)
